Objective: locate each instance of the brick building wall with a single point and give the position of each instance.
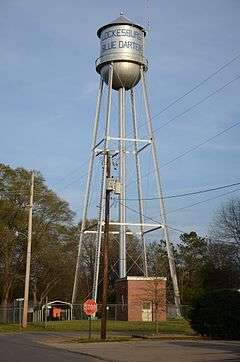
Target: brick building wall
(141, 298)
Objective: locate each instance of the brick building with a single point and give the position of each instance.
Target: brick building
(141, 298)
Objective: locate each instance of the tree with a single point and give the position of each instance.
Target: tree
(202, 264)
(191, 260)
(52, 231)
(221, 267)
(12, 216)
(226, 223)
(154, 292)
(216, 314)
(158, 265)
(225, 239)
(205, 264)
(54, 243)
(52, 266)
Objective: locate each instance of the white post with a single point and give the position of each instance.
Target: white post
(122, 177)
(103, 188)
(28, 259)
(139, 182)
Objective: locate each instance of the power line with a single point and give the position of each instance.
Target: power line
(72, 182)
(167, 107)
(165, 164)
(201, 144)
(177, 230)
(196, 104)
(39, 192)
(194, 88)
(194, 147)
(179, 209)
(151, 219)
(201, 202)
(139, 213)
(197, 86)
(187, 194)
(208, 239)
(70, 173)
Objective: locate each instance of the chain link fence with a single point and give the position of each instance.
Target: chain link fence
(39, 313)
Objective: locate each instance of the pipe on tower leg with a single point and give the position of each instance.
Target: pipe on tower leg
(122, 177)
(88, 190)
(139, 181)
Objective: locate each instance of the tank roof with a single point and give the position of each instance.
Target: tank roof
(121, 20)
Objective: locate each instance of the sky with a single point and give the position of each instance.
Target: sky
(49, 87)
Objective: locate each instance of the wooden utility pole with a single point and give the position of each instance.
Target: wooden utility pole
(105, 249)
(28, 258)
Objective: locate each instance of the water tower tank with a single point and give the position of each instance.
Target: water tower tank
(122, 43)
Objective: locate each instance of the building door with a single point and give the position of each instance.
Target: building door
(147, 312)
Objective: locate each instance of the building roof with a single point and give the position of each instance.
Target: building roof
(141, 278)
(121, 20)
(57, 302)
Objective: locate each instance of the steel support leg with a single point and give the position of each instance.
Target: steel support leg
(139, 181)
(161, 200)
(88, 191)
(122, 176)
(103, 188)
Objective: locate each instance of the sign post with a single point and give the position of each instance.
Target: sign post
(90, 327)
(90, 308)
(20, 300)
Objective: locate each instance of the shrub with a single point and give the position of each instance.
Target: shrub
(216, 314)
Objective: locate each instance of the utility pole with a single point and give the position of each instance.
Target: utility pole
(105, 248)
(28, 258)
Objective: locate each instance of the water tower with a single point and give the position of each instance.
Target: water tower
(121, 67)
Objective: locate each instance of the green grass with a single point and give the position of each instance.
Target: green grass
(98, 339)
(171, 326)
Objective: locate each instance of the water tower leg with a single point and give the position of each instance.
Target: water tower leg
(122, 177)
(103, 188)
(139, 181)
(88, 190)
(161, 200)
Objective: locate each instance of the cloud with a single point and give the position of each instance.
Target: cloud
(88, 90)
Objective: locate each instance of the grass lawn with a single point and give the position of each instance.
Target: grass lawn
(171, 326)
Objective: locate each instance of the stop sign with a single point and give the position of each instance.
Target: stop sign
(90, 307)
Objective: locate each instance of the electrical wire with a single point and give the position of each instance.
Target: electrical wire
(198, 85)
(74, 181)
(201, 144)
(138, 212)
(179, 209)
(36, 191)
(167, 107)
(187, 194)
(70, 173)
(151, 219)
(201, 202)
(194, 148)
(197, 104)
(225, 65)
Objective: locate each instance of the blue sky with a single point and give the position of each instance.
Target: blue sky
(49, 86)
